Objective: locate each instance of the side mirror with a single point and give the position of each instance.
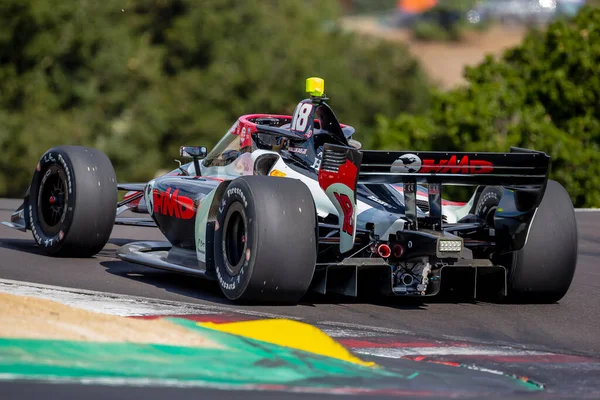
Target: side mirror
(195, 152)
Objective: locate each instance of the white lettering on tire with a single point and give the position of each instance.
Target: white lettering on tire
(239, 192)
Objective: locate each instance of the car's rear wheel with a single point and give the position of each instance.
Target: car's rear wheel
(72, 201)
(542, 271)
(265, 239)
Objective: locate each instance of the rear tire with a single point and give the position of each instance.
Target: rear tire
(265, 239)
(542, 271)
(72, 202)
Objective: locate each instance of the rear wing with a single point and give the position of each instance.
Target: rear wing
(342, 168)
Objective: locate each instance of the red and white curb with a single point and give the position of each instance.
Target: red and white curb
(409, 346)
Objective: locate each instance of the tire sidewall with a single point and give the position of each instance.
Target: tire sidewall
(489, 198)
(50, 160)
(236, 194)
(535, 274)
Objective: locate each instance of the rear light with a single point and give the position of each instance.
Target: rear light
(445, 246)
(384, 250)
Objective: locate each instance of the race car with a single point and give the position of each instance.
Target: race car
(284, 205)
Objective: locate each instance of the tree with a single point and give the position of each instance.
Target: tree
(543, 94)
(138, 78)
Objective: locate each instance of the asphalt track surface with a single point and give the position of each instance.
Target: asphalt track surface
(571, 326)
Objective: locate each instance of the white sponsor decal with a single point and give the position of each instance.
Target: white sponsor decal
(301, 117)
(49, 158)
(377, 200)
(317, 164)
(298, 150)
(149, 197)
(406, 163)
(228, 286)
(67, 172)
(36, 236)
(239, 192)
(222, 206)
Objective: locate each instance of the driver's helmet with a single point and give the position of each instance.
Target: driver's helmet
(348, 132)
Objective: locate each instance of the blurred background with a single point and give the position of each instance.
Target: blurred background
(138, 78)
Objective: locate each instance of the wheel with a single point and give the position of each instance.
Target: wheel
(487, 203)
(265, 239)
(72, 201)
(542, 271)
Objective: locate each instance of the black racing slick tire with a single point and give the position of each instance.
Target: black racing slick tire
(487, 203)
(542, 271)
(265, 240)
(72, 201)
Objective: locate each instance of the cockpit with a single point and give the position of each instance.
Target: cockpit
(303, 134)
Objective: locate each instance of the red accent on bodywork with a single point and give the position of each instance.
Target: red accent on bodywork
(209, 177)
(453, 203)
(455, 166)
(481, 167)
(244, 128)
(401, 190)
(172, 204)
(245, 121)
(135, 202)
(346, 175)
(348, 209)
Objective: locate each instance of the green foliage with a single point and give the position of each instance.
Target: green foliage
(368, 6)
(138, 78)
(543, 94)
(433, 31)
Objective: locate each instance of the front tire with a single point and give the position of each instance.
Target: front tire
(265, 239)
(72, 202)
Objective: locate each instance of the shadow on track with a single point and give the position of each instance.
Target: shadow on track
(24, 245)
(207, 290)
(203, 289)
(183, 285)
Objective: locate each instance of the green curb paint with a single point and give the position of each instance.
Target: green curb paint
(240, 362)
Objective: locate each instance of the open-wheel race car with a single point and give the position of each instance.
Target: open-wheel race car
(283, 205)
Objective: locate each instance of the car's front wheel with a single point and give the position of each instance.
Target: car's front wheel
(72, 201)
